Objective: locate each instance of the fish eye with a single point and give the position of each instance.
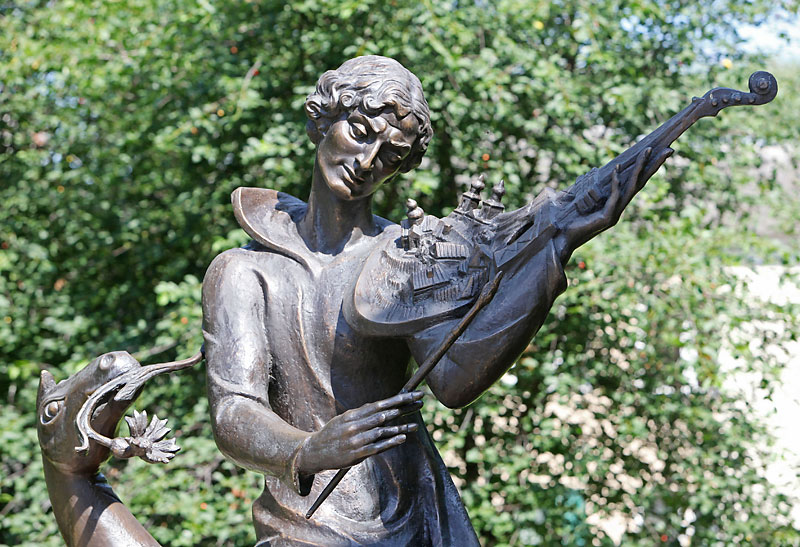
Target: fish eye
(51, 411)
(106, 361)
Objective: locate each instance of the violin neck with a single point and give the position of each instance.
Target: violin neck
(593, 187)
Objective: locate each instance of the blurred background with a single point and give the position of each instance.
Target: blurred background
(654, 407)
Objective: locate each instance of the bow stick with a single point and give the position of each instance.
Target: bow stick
(487, 293)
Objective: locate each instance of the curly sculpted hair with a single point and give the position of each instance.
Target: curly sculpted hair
(371, 84)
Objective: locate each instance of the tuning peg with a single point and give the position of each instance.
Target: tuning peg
(499, 190)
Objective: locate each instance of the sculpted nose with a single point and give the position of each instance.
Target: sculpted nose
(365, 160)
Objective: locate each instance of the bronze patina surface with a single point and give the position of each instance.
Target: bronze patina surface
(310, 329)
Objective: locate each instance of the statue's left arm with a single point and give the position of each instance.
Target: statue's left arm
(532, 245)
(530, 284)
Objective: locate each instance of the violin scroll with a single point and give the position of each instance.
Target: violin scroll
(763, 88)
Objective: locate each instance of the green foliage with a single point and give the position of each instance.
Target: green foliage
(124, 127)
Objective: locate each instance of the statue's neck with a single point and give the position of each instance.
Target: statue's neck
(89, 513)
(331, 224)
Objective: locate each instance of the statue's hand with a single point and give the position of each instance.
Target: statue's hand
(579, 230)
(357, 434)
(609, 215)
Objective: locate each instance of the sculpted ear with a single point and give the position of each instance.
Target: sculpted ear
(46, 384)
(314, 131)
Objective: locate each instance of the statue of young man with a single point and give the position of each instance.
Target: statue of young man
(292, 386)
(310, 329)
(296, 358)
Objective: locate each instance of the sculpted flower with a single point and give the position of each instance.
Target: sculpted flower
(146, 440)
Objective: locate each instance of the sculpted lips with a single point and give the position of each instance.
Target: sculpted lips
(352, 176)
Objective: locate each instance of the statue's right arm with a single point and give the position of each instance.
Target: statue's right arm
(245, 427)
(235, 300)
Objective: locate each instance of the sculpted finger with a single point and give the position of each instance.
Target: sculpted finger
(391, 431)
(636, 181)
(400, 400)
(380, 418)
(640, 161)
(605, 215)
(407, 428)
(369, 409)
(383, 445)
(374, 435)
(662, 157)
(410, 409)
(656, 164)
(634, 184)
(612, 199)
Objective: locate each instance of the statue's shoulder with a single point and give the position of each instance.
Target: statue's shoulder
(265, 214)
(270, 218)
(230, 272)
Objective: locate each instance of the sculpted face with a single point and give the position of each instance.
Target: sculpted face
(359, 152)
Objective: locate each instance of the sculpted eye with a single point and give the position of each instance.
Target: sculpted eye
(105, 362)
(392, 158)
(358, 130)
(51, 410)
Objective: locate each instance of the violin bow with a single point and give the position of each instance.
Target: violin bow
(487, 293)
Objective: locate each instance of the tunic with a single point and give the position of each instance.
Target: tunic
(276, 338)
(275, 334)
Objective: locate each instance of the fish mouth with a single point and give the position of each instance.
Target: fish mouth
(120, 392)
(107, 415)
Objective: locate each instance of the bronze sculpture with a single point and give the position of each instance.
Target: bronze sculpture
(315, 320)
(86, 509)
